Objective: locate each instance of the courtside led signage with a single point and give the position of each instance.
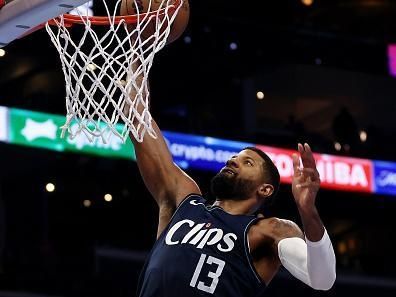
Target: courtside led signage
(190, 151)
(42, 130)
(338, 173)
(385, 177)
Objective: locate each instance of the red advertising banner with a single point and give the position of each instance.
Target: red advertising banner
(338, 173)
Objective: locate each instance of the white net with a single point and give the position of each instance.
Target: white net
(106, 70)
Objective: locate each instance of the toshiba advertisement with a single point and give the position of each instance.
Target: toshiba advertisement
(338, 173)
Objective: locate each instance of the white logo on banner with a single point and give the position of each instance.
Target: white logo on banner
(330, 170)
(387, 178)
(200, 152)
(81, 141)
(3, 124)
(34, 130)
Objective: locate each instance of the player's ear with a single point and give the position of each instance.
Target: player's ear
(265, 190)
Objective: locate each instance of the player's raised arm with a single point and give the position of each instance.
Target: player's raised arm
(313, 260)
(164, 179)
(167, 183)
(308, 256)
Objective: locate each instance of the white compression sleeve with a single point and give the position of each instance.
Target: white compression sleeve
(311, 262)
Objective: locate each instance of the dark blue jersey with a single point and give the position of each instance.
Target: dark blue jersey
(203, 252)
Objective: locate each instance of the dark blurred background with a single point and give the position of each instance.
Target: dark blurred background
(322, 68)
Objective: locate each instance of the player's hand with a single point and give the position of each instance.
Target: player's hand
(306, 180)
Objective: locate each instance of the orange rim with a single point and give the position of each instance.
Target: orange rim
(70, 19)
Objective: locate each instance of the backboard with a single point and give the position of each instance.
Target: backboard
(21, 17)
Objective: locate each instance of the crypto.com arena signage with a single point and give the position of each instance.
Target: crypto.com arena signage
(42, 130)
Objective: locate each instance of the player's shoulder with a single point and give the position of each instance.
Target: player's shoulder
(276, 228)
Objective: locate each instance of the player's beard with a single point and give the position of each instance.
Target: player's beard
(225, 187)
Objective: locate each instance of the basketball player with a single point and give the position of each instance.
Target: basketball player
(223, 249)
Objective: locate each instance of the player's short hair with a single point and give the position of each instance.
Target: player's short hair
(270, 172)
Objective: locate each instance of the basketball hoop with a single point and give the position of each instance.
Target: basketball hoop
(106, 71)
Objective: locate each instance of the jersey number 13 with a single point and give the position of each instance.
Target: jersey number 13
(213, 275)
